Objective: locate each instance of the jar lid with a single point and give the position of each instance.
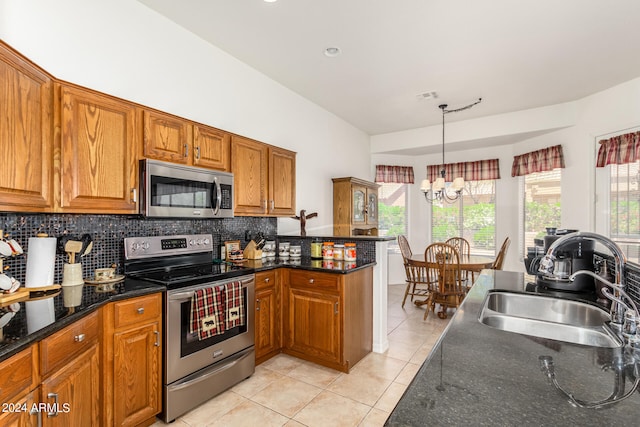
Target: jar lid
(328, 243)
(349, 244)
(339, 245)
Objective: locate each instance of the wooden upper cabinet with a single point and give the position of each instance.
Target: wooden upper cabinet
(282, 182)
(249, 164)
(264, 178)
(99, 168)
(166, 137)
(176, 140)
(211, 148)
(26, 135)
(355, 207)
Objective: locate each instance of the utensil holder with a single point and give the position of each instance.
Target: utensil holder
(72, 284)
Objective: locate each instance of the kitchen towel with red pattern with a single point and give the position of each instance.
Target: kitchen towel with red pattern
(207, 315)
(234, 305)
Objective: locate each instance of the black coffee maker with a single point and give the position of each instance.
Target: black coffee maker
(570, 258)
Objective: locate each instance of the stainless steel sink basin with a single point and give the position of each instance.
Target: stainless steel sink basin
(548, 317)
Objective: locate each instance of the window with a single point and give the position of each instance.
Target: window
(541, 205)
(392, 212)
(473, 217)
(624, 199)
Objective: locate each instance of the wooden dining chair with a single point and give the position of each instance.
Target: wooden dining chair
(450, 290)
(499, 261)
(419, 281)
(405, 249)
(464, 248)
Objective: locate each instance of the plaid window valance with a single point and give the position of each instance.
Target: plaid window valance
(397, 174)
(470, 171)
(619, 150)
(542, 160)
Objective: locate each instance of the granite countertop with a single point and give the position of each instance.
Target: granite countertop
(330, 237)
(477, 375)
(306, 263)
(38, 318)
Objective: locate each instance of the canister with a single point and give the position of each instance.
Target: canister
(327, 250)
(349, 251)
(338, 252)
(316, 249)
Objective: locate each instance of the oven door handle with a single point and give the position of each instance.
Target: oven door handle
(202, 377)
(187, 295)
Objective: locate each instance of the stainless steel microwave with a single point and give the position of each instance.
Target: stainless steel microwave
(174, 191)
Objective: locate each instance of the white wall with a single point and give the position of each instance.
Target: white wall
(123, 48)
(610, 111)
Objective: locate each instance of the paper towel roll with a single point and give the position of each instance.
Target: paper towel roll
(41, 261)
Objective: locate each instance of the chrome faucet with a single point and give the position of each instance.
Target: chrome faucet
(618, 308)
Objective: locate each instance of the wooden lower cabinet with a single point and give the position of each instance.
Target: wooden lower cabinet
(19, 389)
(74, 392)
(268, 320)
(132, 381)
(327, 317)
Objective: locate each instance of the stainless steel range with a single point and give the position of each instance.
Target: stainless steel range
(196, 366)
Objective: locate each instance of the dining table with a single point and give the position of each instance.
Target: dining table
(473, 263)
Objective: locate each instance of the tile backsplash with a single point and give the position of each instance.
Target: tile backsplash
(108, 232)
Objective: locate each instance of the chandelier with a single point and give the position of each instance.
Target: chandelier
(440, 190)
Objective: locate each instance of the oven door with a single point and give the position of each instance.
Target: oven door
(176, 191)
(184, 352)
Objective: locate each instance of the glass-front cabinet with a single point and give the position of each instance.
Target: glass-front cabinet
(355, 207)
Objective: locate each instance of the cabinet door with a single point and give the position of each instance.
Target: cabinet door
(20, 412)
(267, 327)
(359, 204)
(166, 137)
(282, 182)
(211, 148)
(136, 364)
(313, 324)
(249, 164)
(26, 143)
(73, 392)
(372, 206)
(99, 171)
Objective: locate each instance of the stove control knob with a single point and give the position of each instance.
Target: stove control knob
(192, 242)
(145, 245)
(199, 242)
(206, 241)
(135, 246)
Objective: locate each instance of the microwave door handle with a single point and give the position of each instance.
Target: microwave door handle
(217, 200)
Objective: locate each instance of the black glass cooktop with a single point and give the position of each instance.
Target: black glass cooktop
(187, 275)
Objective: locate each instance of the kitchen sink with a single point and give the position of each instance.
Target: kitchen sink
(548, 317)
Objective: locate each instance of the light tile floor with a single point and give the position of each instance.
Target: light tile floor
(286, 391)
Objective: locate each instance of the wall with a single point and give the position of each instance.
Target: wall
(123, 48)
(609, 111)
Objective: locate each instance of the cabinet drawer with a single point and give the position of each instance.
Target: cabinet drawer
(64, 345)
(313, 279)
(265, 279)
(137, 310)
(17, 374)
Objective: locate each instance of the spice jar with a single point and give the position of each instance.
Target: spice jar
(338, 252)
(327, 250)
(316, 249)
(349, 251)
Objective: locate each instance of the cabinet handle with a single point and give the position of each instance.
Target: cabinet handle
(38, 414)
(55, 405)
(186, 150)
(335, 308)
(264, 204)
(258, 304)
(197, 152)
(272, 205)
(311, 281)
(141, 310)
(134, 195)
(79, 338)
(266, 280)
(157, 343)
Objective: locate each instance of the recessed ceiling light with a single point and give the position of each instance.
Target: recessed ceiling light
(332, 51)
(270, 1)
(427, 95)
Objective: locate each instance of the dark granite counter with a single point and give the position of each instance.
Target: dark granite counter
(307, 263)
(36, 319)
(477, 375)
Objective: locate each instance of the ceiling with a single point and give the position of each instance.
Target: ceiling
(516, 55)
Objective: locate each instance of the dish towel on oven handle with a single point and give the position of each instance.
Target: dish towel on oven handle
(234, 305)
(207, 315)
